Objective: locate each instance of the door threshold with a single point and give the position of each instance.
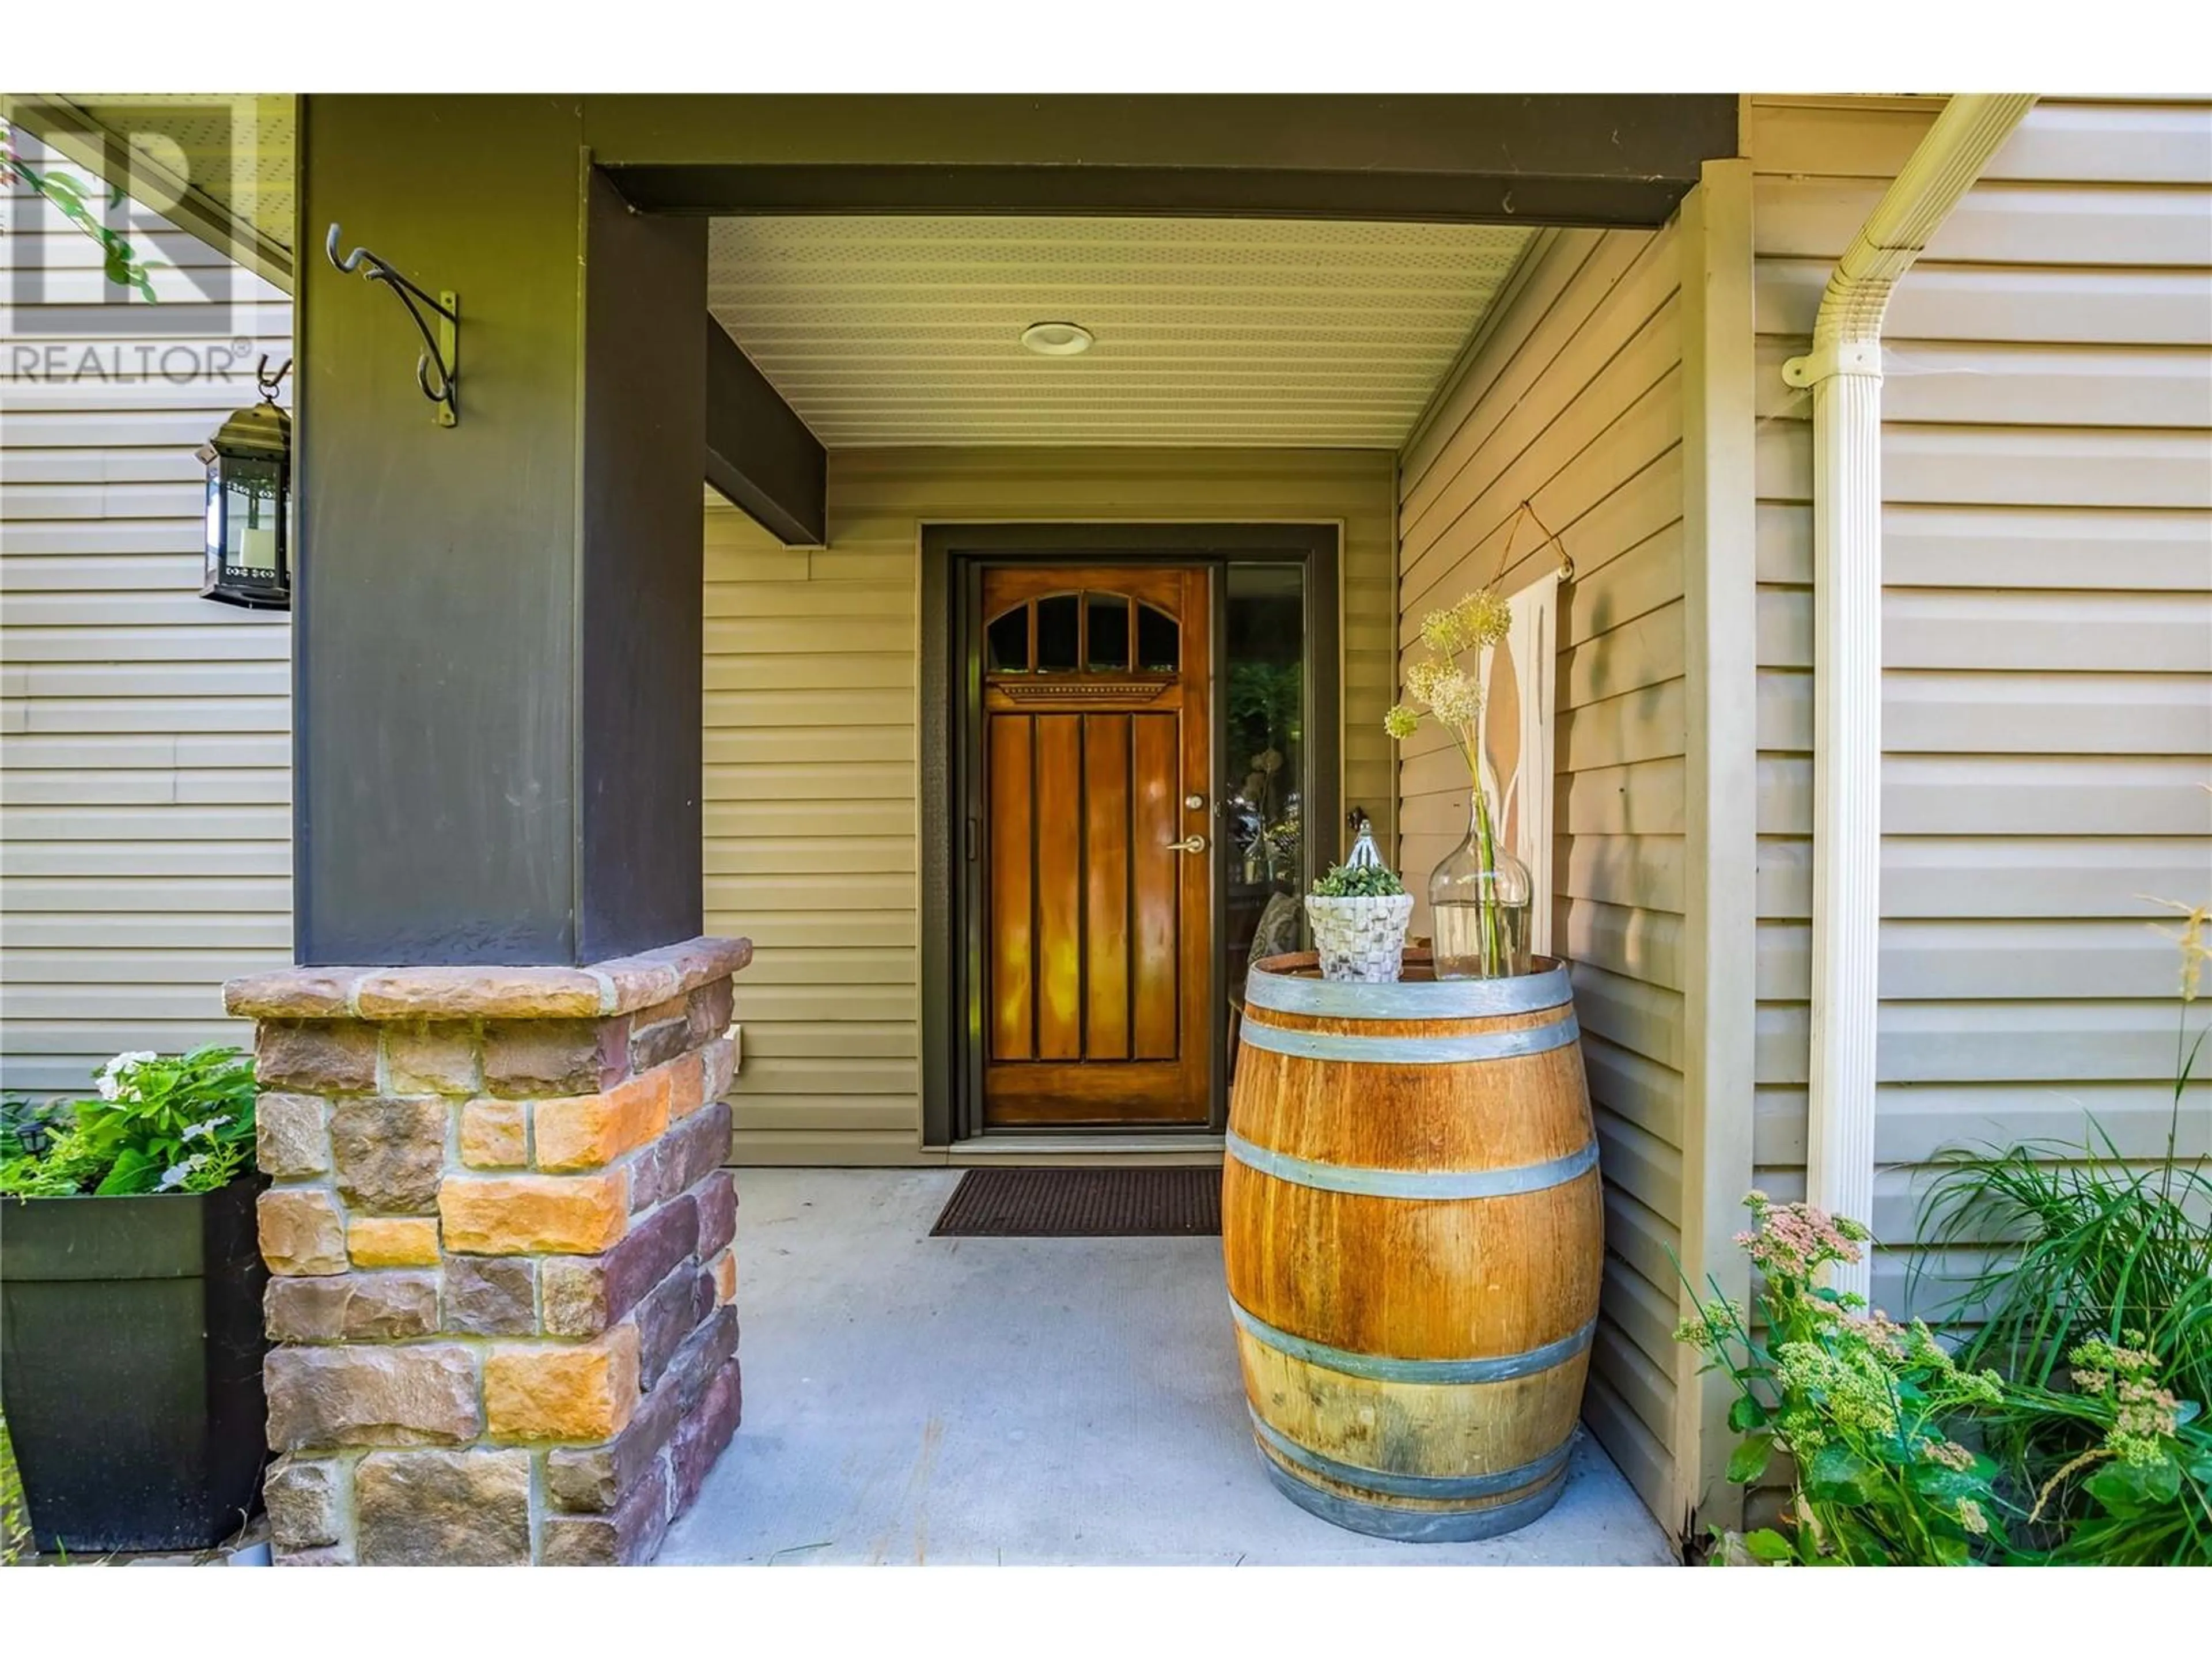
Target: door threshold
(1091, 1151)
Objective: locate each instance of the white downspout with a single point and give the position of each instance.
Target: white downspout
(1844, 370)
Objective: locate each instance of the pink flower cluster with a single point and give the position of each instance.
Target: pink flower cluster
(1792, 1240)
(1949, 1453)
(1882, 1332)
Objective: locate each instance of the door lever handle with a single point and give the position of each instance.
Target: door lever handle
(1188, 844)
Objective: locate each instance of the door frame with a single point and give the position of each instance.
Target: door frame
(951, 939)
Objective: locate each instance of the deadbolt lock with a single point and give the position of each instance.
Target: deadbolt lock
(1195, 802)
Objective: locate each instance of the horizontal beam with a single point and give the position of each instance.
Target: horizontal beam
(1603, 135)
(1152, 192)
(760, 455)
(1553, 159)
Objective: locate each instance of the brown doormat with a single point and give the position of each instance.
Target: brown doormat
(1083, 1204)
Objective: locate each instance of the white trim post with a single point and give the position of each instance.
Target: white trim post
(1720, 583)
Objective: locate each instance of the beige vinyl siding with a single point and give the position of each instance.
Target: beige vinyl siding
(2047, 636)
(1571, 400)
(145, 756)
(811, 711)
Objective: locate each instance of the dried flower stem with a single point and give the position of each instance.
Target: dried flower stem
(2092, 1455)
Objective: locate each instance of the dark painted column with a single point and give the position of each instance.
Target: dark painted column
(497, 632)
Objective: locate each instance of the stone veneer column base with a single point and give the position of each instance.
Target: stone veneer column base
(498, 1241)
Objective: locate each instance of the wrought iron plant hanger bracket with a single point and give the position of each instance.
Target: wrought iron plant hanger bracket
(442, 345)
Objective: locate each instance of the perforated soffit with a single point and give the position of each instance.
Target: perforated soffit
(889, 330)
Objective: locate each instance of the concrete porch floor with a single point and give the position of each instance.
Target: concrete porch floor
(910, 1399)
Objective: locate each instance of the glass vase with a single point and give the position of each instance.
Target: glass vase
(1479, 897)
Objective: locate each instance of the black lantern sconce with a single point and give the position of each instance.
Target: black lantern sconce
(249, 503)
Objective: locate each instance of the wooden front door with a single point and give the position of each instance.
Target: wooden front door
(1096, 901)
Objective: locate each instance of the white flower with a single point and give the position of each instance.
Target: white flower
(177, 1174)
(111, 1077)
(196, 1131)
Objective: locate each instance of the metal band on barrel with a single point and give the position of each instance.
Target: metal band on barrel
(1372, 1182)
(1385, 1368)
(1415, 1526)
(1439, 1487)
(1407, 1050)
(1440, 998)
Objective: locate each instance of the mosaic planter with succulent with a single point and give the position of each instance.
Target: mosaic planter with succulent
(1358, 912)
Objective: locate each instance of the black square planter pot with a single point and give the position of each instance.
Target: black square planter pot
(130, 1352)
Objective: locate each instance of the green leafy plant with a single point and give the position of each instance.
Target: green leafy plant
(1862, 1406)
(1358, 881)
(1265, 699)
(159, 1124)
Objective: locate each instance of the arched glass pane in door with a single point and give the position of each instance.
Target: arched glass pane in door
(1006, 643)
(1105, 633)
(1059, 621)
(1159, 640)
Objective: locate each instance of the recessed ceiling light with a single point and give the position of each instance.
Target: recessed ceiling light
(1056, 339)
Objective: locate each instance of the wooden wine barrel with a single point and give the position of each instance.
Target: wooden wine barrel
(1412, 1225)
